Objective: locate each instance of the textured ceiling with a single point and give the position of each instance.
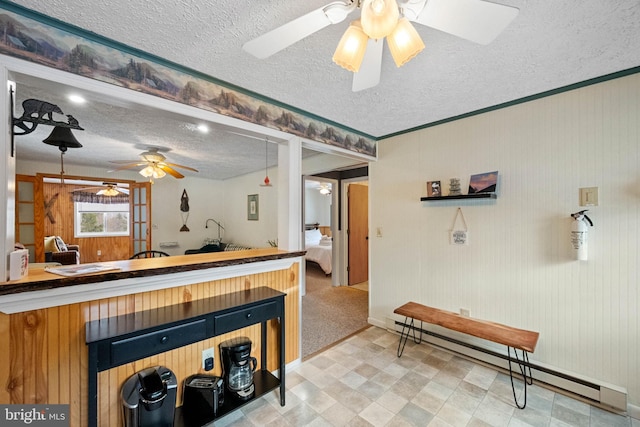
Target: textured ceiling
(549, 45)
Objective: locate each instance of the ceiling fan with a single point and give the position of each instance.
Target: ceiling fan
(360, 49)
(154, 164)
(106, 189)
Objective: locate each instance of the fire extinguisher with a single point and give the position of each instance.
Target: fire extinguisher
(579, 234)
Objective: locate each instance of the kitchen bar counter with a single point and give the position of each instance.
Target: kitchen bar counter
(41, 289)
(39, 279)
(43, 317)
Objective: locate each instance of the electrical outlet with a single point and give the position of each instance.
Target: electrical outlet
(207, 359)
(464, 312)
(99, 252)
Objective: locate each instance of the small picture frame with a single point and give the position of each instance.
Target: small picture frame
(252, 207)
(483, 183)
(434, 189)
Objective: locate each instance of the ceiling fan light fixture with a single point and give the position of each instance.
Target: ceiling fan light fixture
(351, 49)
(379, 17)
(404, 42)
(152, 171)
(110, 191)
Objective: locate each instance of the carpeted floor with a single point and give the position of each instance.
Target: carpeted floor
(329, 313)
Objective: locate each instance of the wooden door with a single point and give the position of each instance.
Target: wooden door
(358, 233)
(140, 202)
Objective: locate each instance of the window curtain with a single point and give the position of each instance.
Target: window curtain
(86, 197)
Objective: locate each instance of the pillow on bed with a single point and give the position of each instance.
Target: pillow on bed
(312, 237)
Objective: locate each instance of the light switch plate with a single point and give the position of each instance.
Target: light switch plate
(589, 196)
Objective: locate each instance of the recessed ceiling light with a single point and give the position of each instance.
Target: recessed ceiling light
(77, 99)
(203, 128)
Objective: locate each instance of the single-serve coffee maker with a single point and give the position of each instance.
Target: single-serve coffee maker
(149, 398)
(238, 367)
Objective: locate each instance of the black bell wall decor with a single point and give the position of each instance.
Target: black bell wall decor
(41, 112)
(63, 139)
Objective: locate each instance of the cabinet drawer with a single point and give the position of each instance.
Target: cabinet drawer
(240, 319)
(130, 349)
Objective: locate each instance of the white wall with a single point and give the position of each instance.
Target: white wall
(238, 228)
(206, 200)
(518, 268)
(317, 207)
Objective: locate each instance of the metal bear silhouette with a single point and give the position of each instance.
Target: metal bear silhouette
(41, 108)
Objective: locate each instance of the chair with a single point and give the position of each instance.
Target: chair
(56, 250)
(149, 254)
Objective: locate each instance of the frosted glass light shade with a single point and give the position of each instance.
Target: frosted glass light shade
(152, 172)
(350, 50)
(404, 42)
(379, 17)
(108, 192)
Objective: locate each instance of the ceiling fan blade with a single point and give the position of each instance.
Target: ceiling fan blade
(126, 162)
(174, 173)
(87, 189)
(129, 166)
(284, 36)
(369, 74)
(474, 20)
(181, 166)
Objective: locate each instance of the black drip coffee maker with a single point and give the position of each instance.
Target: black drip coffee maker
(238, 367)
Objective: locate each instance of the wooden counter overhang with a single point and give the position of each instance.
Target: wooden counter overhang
(42, 289)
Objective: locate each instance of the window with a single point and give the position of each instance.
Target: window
(101, 219)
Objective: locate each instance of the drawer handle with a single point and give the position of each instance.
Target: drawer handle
(164, 339)
(248, 315)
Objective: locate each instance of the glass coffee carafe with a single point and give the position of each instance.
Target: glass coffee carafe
(238, 367)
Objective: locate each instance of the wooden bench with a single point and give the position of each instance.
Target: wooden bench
(518, 339)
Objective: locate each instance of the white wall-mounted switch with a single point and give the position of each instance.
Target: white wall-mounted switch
(589, 196)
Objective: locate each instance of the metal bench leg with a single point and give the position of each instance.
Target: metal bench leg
(523, 370)
(405, 335)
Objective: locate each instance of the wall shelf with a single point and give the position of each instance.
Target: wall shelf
(461, 196)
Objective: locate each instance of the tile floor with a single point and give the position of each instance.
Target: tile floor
(361, 382)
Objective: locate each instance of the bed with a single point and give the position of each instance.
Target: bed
(318, 249)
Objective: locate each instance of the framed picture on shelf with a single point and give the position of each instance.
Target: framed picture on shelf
(434, 189)
(252, 207)
(483, 183)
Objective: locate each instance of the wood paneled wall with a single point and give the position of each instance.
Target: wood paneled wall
(44, 359)
(62, 212)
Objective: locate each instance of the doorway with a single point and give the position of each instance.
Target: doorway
(331, 310)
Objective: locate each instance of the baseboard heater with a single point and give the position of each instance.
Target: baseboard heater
(608, 396)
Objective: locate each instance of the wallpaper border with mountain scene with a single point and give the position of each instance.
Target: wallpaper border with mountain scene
(34, 37)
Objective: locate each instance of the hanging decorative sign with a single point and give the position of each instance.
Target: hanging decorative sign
(184, 208)
(459, 236)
